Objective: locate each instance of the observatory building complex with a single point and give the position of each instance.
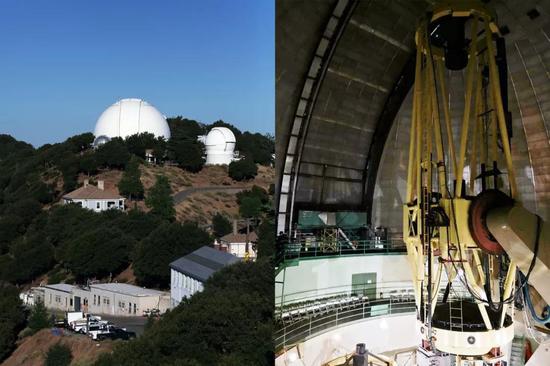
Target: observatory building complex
(129, 117)
(413, 183)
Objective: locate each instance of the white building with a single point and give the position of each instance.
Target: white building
(129, 117)
(220, 146)
(188, 273)
(104, 298)
(95, 198)
(237, 244)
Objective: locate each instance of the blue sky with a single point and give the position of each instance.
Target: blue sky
(63, 62)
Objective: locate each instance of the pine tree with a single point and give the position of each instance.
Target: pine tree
(130, 184)
(220, 225)
(39, 318)
(159, 199)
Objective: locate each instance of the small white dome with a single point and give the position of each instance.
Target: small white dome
(129, 117)
(220, 137)
(220, 146)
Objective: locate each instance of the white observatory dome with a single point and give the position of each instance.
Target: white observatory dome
(220, 146)
(129, 117)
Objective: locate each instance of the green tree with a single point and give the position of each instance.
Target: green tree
(39, 318)
(184, 129)
(243, 169)
(12, 319)
(58, 355)
(159, 199)
(98, 253)
(250, 206)
(220, 225)
(113, 154)
(88, 163)
(30, 256)
(79, 143)
(189, 154)
(167, 243)
(257, 147)
(138, 143)
(255, 191)
(265, 244)
(130, 184)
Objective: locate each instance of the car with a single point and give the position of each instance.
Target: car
(116, 333)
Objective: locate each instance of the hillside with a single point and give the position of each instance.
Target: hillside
(211, 189)
(31, 350)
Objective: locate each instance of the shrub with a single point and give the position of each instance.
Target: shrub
(59, 355)
(243, 169)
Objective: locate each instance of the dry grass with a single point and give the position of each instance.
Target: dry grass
(31, 351)
(200, 207)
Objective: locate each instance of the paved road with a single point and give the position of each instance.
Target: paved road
(181, 196)
(132, 323)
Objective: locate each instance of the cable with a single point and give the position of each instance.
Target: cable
(529, 303)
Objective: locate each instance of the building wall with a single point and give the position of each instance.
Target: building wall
(99, 205)
(108, 302)
(58, 300)
(182, 286)
(315, 277)
(239, 250)
(98, 301)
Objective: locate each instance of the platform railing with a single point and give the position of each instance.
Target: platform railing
(385, 290)
(297, 321)
(307, 248)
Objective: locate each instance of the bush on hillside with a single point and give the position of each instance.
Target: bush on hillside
(58, 355)
(243, 169)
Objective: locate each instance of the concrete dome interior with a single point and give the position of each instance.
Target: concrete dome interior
(344, 71)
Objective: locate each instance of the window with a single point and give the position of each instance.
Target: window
(120, 203)
(134, 308)
(97, 205)
(57, 298)
(130, 307)
(98, 300)
(50, 298)
(110, 204)
(94, 300)
(121, 304)
(71, 301)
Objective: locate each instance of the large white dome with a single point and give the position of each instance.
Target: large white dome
(129, 117)
(220, 146)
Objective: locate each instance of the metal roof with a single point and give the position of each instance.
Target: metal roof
(203, 263)
(65, 287)
(127, 289)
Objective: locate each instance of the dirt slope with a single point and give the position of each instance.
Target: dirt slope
(32, 350)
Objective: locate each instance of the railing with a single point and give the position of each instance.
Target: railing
(296, 322)
(381, 290)
(306, 248)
